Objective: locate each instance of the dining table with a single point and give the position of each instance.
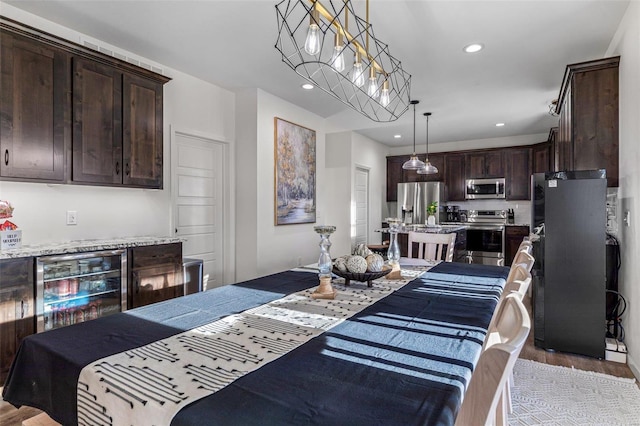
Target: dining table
(265, 352)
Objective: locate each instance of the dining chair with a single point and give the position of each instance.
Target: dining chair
(432, 246)
(518, 271)
(523, 256)
(483, 400)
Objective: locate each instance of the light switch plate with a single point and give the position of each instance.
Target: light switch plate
(72, 217)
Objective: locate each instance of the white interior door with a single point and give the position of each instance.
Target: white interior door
(362, 205)
(197, 188)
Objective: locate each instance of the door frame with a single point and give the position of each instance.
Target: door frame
(366, 169)
(228, 197)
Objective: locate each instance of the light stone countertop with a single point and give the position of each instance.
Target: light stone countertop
(438, 229)
(81, 246)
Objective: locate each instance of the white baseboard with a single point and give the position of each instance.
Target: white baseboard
(635, 368)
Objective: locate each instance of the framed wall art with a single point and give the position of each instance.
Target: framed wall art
(295, 173)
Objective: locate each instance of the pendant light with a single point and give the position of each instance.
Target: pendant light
(428, 168)
(413, 163)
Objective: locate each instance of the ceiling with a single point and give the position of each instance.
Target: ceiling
(512, 80)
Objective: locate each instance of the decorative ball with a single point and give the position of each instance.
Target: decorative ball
(357, 264)
(375, 262)
(362, 250)
(341, 264)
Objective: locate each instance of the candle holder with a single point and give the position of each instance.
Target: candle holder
(393, 252)
(325, 290)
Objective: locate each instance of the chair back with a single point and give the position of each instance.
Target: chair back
(524, 257)
(518, 271)
(484, 393)
(432, 246)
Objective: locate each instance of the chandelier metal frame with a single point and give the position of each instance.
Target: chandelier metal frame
(337, 23)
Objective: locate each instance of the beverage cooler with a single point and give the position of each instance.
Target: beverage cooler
(79, 287)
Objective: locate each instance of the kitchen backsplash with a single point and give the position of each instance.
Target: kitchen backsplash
(521, 209)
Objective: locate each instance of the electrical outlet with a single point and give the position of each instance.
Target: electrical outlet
(72, 217)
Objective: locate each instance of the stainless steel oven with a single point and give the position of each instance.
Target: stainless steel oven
(485, 236)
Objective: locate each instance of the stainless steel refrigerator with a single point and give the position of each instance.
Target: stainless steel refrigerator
(413, 199)
(569, 272)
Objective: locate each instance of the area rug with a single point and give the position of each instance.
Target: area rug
(548, 395)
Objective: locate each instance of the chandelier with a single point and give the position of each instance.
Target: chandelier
(330, 46)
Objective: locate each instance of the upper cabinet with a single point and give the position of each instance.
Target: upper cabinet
(142, 139)
(394, 176)
(588, 126)
(485, 164)
(518, 173)
(97, 123)
(34, 107)
(454, 177)
(76, 115)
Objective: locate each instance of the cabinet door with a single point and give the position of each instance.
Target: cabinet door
(475, 166)
(518, 176)
(142, 124)
(513, 237)
(494, 165)
(16, 308)
(97, 123)
(454, 177)
(394, 176)
(155, 274)
(563, 148)
(595, 123)
(541, 154)
(34, 109)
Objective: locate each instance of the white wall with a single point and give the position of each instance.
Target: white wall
(272, 248)
(626, 43)
(190, 104)
(339, 190)
(472, 144)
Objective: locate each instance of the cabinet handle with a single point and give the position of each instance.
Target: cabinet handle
(6, 157)
(117, 167)
(127, 169)
(21, 309)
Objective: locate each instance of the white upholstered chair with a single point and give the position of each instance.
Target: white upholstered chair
(523, 256)
(432, 246)
(483, 401)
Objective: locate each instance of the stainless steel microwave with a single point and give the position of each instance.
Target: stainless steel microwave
(484, 188)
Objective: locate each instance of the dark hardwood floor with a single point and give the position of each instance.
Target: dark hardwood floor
(10, 416)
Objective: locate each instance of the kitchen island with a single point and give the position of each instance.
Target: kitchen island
(403, 236)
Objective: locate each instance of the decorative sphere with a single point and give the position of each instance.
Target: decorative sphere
(341, 264)
(362, 250)
(357, 264)
(375, 262)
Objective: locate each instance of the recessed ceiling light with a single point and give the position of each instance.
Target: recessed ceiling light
(499, 124)
(473, 48)
(307, 86)
(397, 136)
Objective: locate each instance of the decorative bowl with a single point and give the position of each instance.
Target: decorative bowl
(362, 277)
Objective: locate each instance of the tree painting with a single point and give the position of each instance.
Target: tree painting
(295, 173)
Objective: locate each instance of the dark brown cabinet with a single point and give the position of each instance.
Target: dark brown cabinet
(155, 274)
(73, 115)
(454, 177)
(16, 308)
(512, 239)
(142, 140)
(518, 173)
(588, 126)
(541, 156)
(487, 164)
(394, 176)
(34, 108)
(97, 123)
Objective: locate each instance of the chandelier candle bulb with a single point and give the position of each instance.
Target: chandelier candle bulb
(372, 88)
(384, 94)
(312, 42)
(357, 73)
(337, 60)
